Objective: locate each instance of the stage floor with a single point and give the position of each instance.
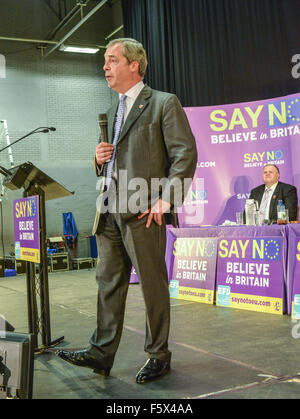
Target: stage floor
(217, 352)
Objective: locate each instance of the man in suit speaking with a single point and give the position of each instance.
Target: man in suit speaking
(149, 137)
(271, 192)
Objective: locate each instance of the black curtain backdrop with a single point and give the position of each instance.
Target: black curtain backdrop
(211, 52)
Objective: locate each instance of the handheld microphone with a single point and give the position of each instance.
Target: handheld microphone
(102, 119)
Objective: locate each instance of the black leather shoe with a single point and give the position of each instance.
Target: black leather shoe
(83, 358)
(153, 368)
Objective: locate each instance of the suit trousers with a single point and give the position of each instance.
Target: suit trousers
(122, 244)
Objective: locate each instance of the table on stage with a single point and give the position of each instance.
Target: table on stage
(253, 267)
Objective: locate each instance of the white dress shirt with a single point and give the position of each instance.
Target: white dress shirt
(273, 187)
(131, 94)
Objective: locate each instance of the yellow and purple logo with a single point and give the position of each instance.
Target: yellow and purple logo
(255, 249)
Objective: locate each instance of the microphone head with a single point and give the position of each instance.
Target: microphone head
(102, 118)
(47, 129)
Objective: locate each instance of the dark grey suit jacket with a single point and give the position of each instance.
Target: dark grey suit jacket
(287, 193)
(156, 141)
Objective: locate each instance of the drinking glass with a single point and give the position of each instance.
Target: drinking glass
(239, 218)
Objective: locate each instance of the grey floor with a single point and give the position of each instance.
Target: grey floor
(218, 353)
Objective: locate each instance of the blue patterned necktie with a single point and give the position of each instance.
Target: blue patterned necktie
(263, 205)
(117, 130)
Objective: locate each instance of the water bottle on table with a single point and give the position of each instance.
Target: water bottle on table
(282, 213)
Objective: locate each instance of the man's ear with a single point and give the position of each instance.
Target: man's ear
(134, 66)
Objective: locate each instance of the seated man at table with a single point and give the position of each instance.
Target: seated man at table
(271, 192)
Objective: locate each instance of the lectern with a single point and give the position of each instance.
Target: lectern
(35, 182)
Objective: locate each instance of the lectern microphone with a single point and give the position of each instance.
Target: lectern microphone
(35, 131)
(48, 129)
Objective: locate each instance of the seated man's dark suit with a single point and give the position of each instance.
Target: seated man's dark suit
(287, 193)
